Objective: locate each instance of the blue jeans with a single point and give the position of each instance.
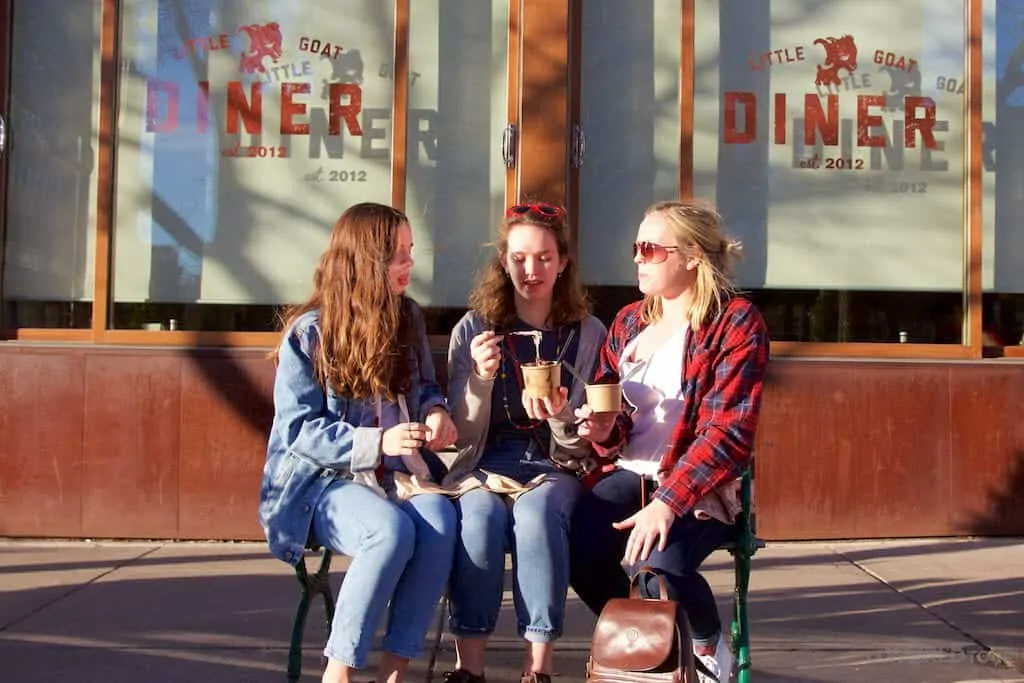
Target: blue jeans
(536, 528)
(400, 554)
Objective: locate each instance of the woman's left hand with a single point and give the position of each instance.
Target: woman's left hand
(543, 408)
(441, 429)
(650, 528)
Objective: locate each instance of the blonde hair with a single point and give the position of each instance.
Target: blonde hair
(696, 227)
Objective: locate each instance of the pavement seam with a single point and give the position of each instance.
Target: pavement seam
(987, 653)
(74, 589)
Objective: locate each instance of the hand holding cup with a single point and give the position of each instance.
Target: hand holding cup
(546, 406)
(594, 427)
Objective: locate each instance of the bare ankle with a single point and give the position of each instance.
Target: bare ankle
(336, 672)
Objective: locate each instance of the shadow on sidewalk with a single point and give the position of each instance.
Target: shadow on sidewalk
(259, 553)
(878, 550)
(128, 628)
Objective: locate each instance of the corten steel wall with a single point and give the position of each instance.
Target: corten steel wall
(168, 443)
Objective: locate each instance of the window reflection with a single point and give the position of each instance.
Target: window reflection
(52, 145)
(1003, 172)
(832, 143)
(245, 128)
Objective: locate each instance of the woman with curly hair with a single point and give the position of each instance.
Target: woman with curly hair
(529, 290)
(356, 400)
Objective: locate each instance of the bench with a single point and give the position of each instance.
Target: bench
(742, 548)
(312, 585)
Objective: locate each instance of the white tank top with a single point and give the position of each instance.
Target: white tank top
(656, 391)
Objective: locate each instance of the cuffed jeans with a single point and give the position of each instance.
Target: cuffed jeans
(597, 550)
(400, 554)
(536, 527)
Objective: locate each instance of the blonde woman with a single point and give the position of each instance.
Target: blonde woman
(691, 356)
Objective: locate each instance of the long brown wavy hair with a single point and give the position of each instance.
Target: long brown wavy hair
(493, 297)
(365, 327)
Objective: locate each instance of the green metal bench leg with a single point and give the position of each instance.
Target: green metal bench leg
(740, 627)
(436, 645)
(311, 585)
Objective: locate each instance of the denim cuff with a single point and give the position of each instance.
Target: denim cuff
(536, 635)
(366, 449)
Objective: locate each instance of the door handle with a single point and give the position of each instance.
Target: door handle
(508, 146)
(3, 134)
(579, 146)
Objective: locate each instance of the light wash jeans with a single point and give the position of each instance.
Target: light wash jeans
(400, 553)
(536, 527)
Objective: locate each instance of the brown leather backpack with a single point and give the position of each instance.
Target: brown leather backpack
(639, 640)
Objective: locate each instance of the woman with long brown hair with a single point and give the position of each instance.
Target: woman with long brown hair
(529, 290)
(355, 401)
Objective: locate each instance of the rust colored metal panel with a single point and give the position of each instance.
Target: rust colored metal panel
(227, 409)
(854, 450)
(544, 106)
(130, 461)
(987, 488)
(41, 413)
(93, 442)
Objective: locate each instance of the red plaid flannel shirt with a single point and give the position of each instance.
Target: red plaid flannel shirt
(723, 373)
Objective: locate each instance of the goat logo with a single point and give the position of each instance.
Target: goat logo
(902, 84)
(264, 41)
(840, 53)
(347, 67)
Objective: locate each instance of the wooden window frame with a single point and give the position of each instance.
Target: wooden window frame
(544, 57)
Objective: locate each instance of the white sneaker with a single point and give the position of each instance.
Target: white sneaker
(720, 664)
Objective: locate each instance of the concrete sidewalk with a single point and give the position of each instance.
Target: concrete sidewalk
(943, 611)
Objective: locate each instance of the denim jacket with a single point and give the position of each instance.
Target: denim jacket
(318, 435)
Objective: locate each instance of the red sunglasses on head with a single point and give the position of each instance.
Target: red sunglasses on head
(547, 213)
(652, 252)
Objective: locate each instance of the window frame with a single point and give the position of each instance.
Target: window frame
(544, 48)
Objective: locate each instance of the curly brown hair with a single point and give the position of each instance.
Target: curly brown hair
(493, 297)
(366, 328)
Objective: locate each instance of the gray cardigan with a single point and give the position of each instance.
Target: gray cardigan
(469, 396)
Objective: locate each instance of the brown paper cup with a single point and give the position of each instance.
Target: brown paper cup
(541, 380)
(604, 398)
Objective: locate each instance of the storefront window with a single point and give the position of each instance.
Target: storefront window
(832, 142)
(245, 128)
(630, 117)
(455, 182)
(1003, 168)
(52, 143)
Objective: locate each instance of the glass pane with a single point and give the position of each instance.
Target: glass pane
(1003, 179)
(455, 192)
(53, 136)
(832, 142)
(630, 116)
(245, 128)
